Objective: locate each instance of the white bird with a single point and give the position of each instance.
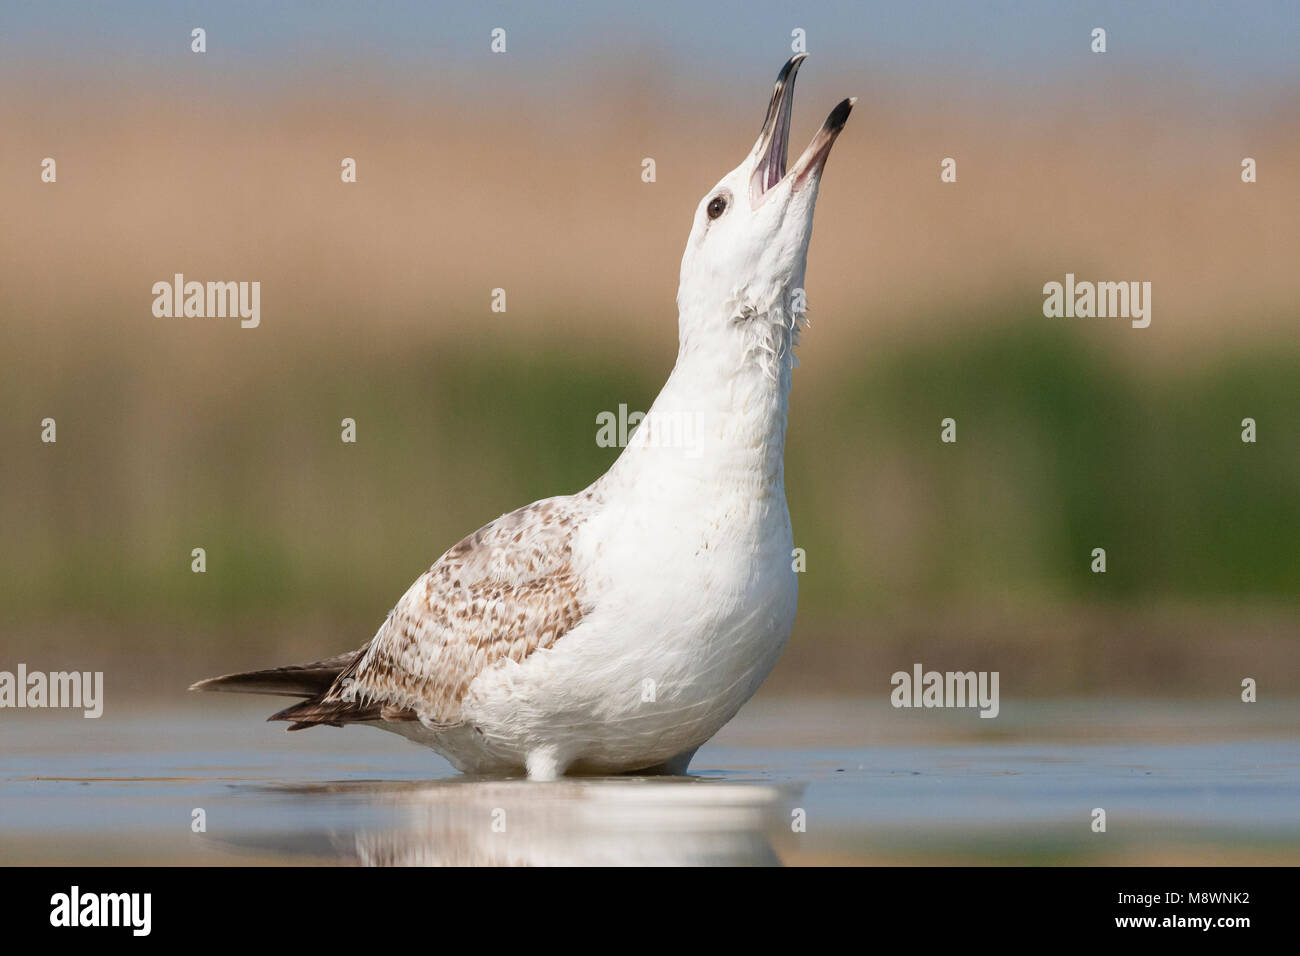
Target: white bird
(619, 628)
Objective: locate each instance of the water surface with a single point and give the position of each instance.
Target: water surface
(787, 782)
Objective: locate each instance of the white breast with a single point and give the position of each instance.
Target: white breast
(688, 571)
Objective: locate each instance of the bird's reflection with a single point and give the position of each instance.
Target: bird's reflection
(513, 822)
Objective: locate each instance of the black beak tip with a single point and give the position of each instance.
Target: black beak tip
(790, 68)
(840, 115)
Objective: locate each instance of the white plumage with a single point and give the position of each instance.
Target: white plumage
(619, 628)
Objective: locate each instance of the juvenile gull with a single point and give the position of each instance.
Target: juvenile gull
(617, 629)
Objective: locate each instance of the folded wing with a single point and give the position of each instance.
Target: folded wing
(505, 592)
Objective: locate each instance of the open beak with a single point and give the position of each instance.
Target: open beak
(774, 139)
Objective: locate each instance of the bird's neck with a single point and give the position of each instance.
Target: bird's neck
(721, 416)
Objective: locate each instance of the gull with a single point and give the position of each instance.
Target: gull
(617, 629)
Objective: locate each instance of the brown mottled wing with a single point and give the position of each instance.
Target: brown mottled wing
(505, 591)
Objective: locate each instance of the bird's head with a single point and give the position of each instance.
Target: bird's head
(743, 270)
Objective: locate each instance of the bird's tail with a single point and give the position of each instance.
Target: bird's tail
(296, 680)
(314, 681)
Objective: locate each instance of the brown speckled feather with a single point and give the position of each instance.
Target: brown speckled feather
(505, 591)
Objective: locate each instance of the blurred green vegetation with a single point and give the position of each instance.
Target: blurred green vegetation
(1064, 445)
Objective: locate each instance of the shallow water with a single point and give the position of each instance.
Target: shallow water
(1180, 783)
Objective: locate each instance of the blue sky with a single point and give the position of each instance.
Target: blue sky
(1232, 46)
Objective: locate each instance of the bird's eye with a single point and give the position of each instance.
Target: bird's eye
(717, 206)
